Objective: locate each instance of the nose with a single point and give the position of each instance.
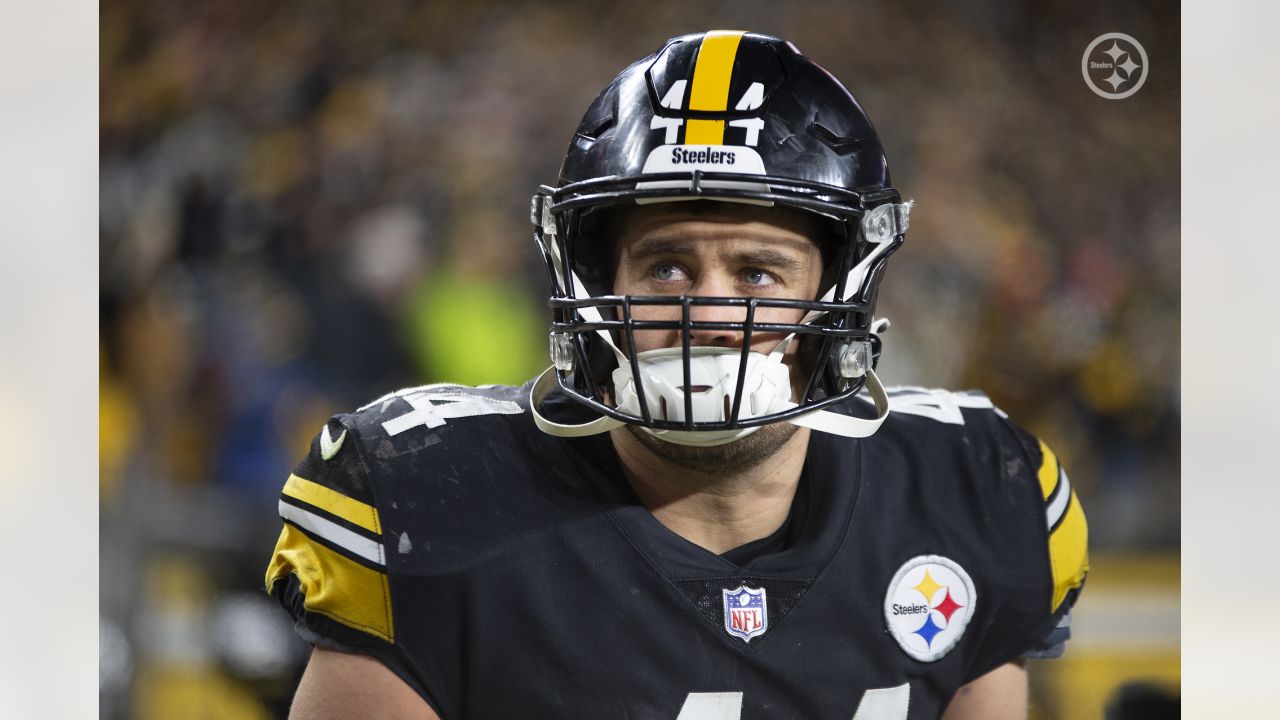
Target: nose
(716, 286)
(713, 336)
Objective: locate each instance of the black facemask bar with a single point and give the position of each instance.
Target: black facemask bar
(587, 329)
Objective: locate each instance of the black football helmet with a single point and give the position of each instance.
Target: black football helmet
(726, 116)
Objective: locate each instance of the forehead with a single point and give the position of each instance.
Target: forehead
(787, 226)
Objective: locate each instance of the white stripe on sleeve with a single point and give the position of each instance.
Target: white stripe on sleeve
(352, 542)
(1060, 500)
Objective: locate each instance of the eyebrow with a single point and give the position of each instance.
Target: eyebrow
(759, 256)
(766, 258)
(643, 250)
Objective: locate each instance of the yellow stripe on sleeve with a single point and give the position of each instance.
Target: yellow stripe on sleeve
(1048, 470)
(1069, 552)
(332, 501)
(710, 92)
(1069, 542)
(333, 585)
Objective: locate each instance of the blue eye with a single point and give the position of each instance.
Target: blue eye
(756, 277)
(668, 271)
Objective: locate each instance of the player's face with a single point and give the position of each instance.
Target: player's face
(729, 251)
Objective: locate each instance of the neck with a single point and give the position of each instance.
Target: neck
(715, 510)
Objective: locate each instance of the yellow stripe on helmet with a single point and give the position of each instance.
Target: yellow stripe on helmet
(711, 73)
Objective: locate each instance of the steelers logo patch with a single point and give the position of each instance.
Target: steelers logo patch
(930, 601)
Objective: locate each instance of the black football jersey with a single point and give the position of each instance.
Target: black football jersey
(505, 573)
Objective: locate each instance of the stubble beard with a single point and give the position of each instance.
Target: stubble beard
(720, 460)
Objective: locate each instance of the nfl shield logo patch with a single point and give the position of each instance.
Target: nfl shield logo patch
(745, 612)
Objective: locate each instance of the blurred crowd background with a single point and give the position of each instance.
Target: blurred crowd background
(304, 205)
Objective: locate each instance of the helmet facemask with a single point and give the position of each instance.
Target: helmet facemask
(731, 391)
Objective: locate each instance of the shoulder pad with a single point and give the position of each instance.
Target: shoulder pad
(973, 412)
(1064, 520)
(330, 550)
(943, 406)
(1066, 525)
(433, 406)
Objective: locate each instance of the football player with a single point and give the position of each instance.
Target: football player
(705, 508)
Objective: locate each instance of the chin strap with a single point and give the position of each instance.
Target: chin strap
(820, 420)
(844, 425)
(542, 387)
